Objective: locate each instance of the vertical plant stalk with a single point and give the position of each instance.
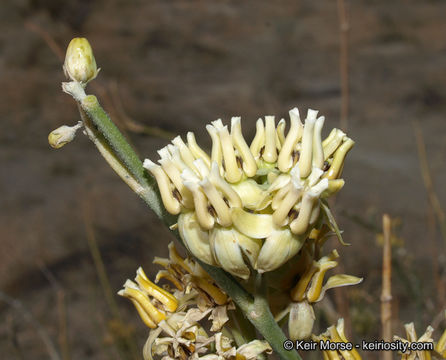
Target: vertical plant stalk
(386, 293)
(427, 180)
(123, 159)
(63, 326)
(436, 269)
(343, 63)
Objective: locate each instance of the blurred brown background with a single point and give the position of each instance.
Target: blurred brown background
(177, 65)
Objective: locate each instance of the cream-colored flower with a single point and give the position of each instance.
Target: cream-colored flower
(251, 207)
(182, 337)
(224, 350)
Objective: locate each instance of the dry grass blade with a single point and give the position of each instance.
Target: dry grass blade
(131, 124)
(343, 63)
(103, 278)
(61, 310)
(18, 306)
(13, 337)
(427, 180)
(55, 48)
(386, 294)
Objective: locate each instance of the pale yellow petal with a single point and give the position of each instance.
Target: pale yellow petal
(300, 225)
(277, 249)
(229, 193)
(185, 153)
(216, 153)
(284, 161)
(248, 161)
(227, 253)
(259, 139)
(332, 142)
(217, 202)
(171, 204)
(195, 239)
(251, 194)
(318, 150)
(306, 154)
(270, 152)
(338, 280)
(335, 169)
(257, 226)
(290, 199)
(196, 151)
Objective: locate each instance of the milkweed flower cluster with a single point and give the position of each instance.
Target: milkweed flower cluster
(253, 206)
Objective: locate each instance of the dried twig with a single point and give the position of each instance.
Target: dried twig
(13, 338)
(129, 123)
(52, 44)
(343, 63)
(386, 294)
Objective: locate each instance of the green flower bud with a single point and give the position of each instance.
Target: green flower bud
(80, 64)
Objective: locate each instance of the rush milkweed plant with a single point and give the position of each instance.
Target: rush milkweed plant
(253, 217)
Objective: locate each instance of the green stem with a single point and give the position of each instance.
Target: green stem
(245, 326)
(114, 138)
(118, 153)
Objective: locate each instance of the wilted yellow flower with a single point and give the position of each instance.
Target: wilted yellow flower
(187, 275)
(310, 288)
(151, 301)
(412, 338)
(192, 285)
(179, 336)
(251, 206)
(440, 346)
(80, 64)
(336, 334)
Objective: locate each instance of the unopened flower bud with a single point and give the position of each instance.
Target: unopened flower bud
(300, 324)
(63, 135)
(80, 64)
